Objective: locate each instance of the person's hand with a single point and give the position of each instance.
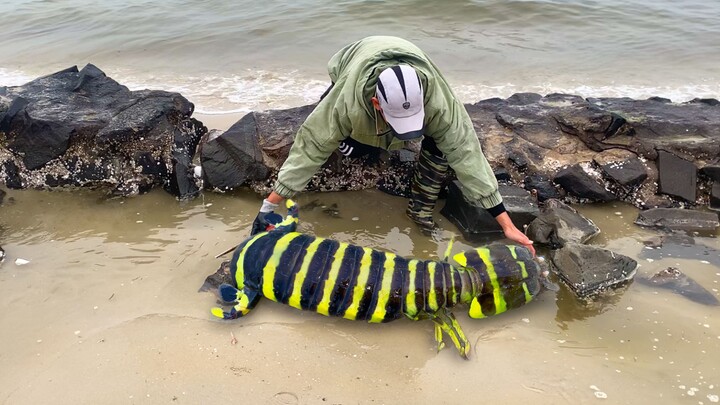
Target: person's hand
(264, 221)
(266, 218)
(516, 235)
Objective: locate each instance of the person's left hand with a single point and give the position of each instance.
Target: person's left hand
(516, 235)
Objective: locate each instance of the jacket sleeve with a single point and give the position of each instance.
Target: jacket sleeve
(315, 141)
(450, 126)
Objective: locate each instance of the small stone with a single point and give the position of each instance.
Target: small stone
(21, 262)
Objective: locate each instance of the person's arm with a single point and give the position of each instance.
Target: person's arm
(315, 141)
(451, 127)
(275, 198)
(513, 233)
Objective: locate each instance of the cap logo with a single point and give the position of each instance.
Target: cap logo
(406, 105)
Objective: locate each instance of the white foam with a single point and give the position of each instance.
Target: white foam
(258, 90)
(250, 91)
(682, 93)
(13, 77)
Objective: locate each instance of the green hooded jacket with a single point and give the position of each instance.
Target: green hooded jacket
(346, 111)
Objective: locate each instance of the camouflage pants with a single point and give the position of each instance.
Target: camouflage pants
(430, 172)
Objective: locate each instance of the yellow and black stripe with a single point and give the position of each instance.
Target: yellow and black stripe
(509, 278)
(340, 279)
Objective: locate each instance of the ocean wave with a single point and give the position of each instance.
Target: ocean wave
(264, 90)
(259, 90)
(10, 77)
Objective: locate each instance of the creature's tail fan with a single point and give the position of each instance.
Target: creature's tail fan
(228, 293)
(244, 302)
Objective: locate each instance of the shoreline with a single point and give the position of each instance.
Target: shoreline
(221, 122)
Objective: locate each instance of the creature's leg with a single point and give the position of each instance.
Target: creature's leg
(445, 321)
(246, 300)
(448, 250)
(430, 172)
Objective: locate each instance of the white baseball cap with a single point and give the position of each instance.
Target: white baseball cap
(400, 94)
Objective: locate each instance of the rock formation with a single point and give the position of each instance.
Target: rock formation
(81, 128)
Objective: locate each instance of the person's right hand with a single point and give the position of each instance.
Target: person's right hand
(266, 219)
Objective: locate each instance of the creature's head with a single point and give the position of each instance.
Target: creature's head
(510, 278)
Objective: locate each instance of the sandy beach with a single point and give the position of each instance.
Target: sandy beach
(103, 306)
(108, 311)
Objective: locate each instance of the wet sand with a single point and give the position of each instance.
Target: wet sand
(108, 311)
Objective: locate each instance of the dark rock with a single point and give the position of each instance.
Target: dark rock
(622, 166)
(589, 270)
(533, 120)
(81, 128)
(676, 281)
(519, 161)
(558, 224)
(712, 171)
(3, 193)
(709, 101)
(715, 196)
(221, 276)
(678, 219)
(688, 130)
(542, 187)
(502, 175)
(11, 173)
(397, 181)
(576, 181)
(276, 132)
(677, 177)
(660, 99)
(524, 98)
(229, 159)
(35, 150)
(530, 136)
(150, 166)
(476, 223)
(405, 155)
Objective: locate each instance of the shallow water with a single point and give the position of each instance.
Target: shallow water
(108, 311)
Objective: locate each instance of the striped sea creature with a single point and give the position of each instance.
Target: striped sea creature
(339, 279)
